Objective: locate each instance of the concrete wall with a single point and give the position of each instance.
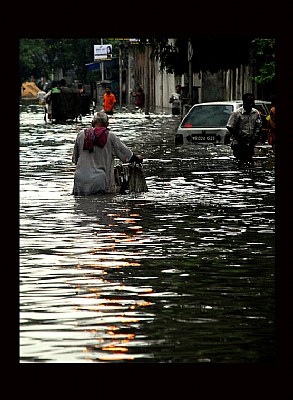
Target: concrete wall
(227, 85)
(164, 86)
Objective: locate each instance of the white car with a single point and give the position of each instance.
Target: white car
(206, 122)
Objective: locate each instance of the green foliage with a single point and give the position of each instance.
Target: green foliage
(209, 54)
(39, 56)
(32, 58)
(216, 54)
(263, 52)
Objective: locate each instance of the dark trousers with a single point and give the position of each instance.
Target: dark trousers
(243, 152)
(175, 111)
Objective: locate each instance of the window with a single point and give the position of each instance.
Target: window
(208, 116)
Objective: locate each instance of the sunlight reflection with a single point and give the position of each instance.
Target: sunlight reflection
(111, 299)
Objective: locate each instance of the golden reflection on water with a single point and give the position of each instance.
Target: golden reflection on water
(110, 340)
(111, 344)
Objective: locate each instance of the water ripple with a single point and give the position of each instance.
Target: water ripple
(182, 273)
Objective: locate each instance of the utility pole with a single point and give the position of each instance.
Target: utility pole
(147, 80)
(130, 80)
(120, 76)
(102, 63)
(162, 92)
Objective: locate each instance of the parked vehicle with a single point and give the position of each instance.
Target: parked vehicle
(206, 122)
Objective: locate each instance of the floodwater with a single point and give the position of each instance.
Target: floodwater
(184, 273)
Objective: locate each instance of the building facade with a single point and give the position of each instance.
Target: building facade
(158, 85)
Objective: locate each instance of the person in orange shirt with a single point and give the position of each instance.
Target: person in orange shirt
(109, 101)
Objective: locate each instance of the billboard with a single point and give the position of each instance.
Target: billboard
(102, 52)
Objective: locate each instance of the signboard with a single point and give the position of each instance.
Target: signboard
(102, 52)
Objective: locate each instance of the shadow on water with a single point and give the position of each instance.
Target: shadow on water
(183, 273)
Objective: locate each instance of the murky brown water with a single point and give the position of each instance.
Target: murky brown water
(183, 273)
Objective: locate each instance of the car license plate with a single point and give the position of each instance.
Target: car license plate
(203, 138)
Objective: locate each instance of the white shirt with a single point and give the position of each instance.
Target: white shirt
(95, 171)
(245, 124)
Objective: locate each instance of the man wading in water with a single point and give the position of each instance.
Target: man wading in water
(244, 125)
(94, 155)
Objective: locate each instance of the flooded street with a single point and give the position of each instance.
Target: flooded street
(184, 273)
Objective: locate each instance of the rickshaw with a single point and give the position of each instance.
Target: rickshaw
(69, 104)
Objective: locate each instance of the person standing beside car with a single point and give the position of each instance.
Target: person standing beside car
(272, 123)
(244, 125)
(176, 101)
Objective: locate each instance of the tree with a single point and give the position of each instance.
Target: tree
(215, 54)
(70, 54)
(263, 54)
(209, 54)
(39, 56)
(32, 58)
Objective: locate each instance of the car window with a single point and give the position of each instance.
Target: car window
(262, 108)
(208, 116)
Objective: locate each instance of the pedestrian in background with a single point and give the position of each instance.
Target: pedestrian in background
(80, 88)
(63, 83)
(244, 124)
(94, 155)
(41, 97)
(139, 97)
(48, 107)
(176, 101)
(272, 123)
(109, 101)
